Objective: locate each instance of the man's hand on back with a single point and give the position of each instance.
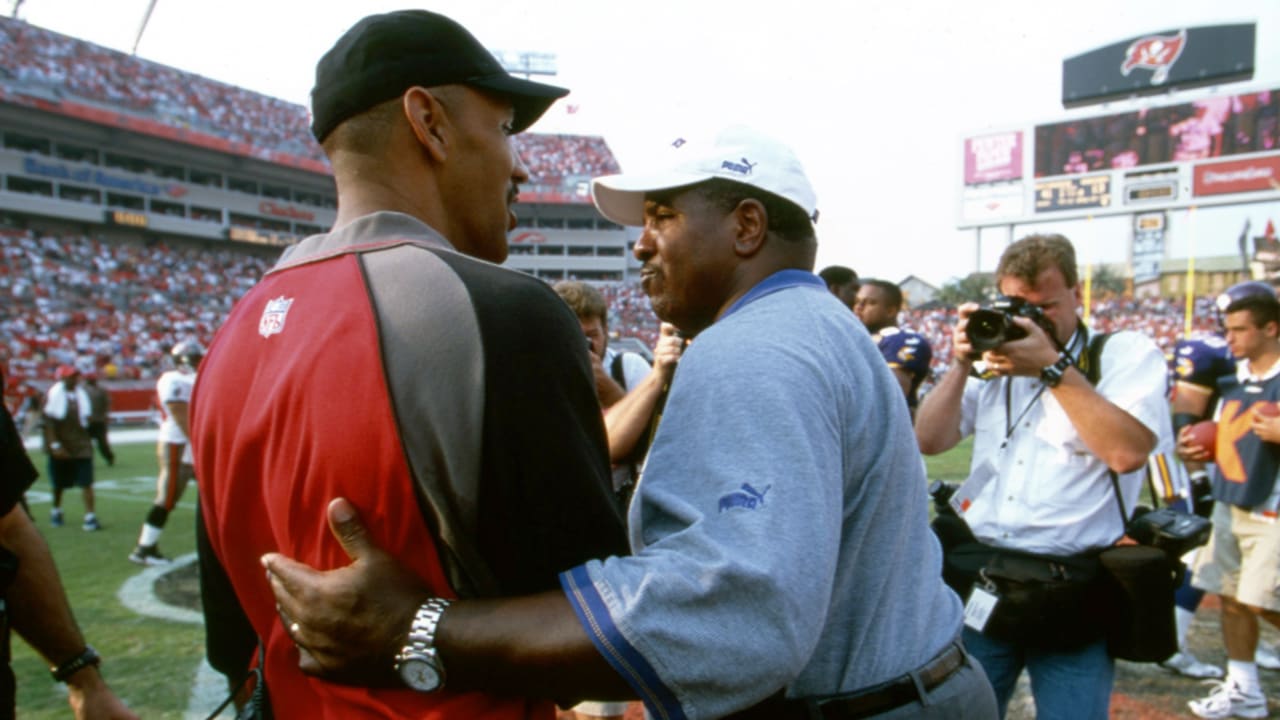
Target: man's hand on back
(348, 623)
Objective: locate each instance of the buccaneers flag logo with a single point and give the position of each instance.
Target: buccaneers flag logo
(1156, 52)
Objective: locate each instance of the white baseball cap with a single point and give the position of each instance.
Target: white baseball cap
(737, 153)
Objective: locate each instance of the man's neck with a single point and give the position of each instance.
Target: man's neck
(1261, 363)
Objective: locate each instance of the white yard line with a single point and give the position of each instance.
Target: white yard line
(207, 692)
(138, 594)
(208, 687)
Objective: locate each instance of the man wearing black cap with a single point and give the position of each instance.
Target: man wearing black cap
(782, 565)
(463, 389)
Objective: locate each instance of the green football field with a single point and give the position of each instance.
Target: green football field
(152, 651)
(149, 661)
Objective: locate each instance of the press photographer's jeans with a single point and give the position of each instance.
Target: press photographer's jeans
(1066, 685)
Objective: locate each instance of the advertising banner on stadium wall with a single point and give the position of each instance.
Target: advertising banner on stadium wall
(1237, 176)
(1177, 58)
(1148, 246)
(1000, 202)
(84, 176)
(992, 158)
(89, 175)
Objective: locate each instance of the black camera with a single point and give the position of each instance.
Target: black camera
(991, 327)
(941, 493)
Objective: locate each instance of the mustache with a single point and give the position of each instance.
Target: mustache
(513, 194)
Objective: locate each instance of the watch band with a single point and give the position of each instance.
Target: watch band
(421, 646)
(1051, 375)
(76, 664)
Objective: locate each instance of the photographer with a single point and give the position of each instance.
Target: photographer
(1045, 444)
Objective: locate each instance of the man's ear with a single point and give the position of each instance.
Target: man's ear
(751, 227)
(428, 121)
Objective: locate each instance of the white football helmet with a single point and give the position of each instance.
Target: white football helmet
(187, 355)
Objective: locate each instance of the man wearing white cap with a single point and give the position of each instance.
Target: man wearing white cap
(782, 563)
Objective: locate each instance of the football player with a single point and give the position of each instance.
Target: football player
(907, 352)
(173, 391)
(1196, 364)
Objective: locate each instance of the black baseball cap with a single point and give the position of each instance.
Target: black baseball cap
(383, 55)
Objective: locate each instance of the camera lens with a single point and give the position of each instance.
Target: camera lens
(986, 329)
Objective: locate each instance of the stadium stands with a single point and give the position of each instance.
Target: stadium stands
(119, 306)
(113, 306)
(37, 56)
(560, 159)
(70, 68)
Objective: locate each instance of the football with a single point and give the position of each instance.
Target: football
(1204, 434)
(1266, 409)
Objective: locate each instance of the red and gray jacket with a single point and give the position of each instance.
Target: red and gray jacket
(449, 399)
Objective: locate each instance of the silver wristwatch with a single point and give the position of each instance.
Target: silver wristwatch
(418, 663)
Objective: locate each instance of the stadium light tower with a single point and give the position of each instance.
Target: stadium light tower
(146, 17)
(526, 63)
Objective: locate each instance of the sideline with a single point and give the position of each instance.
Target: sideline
(208, 687)
(118, 436)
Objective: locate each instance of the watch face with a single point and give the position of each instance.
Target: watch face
(420, 674)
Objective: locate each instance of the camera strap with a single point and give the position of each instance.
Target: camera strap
(1080, 338)
(1011, 422)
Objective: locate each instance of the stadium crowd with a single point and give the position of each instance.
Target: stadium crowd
(38, 56)
(117, 308)
(557, 159)
(70, 67)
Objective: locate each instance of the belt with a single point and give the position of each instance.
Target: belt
(899, 691)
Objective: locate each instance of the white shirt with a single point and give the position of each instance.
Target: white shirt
(634, 367)
(1045, 491)
(634, 370)
(173, 386)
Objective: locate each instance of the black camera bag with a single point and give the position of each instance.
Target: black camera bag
(1140, 581)
(1173, 531)
(1048, 602)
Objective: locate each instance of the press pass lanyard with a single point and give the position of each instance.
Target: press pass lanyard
(1009, 421)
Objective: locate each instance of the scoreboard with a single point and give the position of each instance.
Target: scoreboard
(1073, 193)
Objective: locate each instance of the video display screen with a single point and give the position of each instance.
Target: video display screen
(1219, 126)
